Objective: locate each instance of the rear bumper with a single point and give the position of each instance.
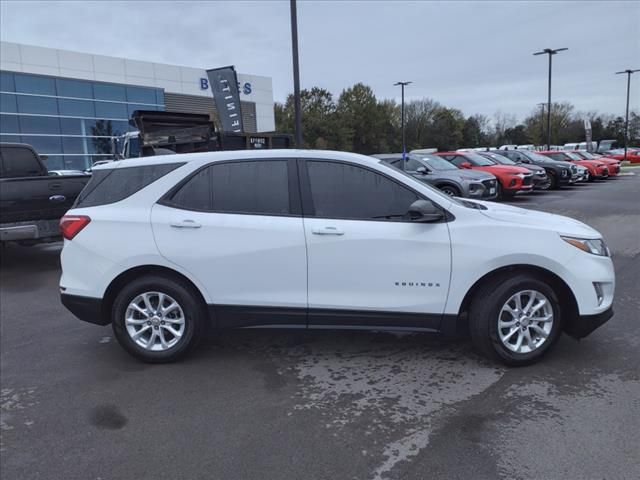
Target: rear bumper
(86, 309)
(584, 325)
(33, 231)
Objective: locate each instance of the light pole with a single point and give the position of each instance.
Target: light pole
(541, 105)
(404, 148)
(551, 52)
(626, 116)
(296, 73)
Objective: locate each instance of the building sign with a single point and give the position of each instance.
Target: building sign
(224, 85)
(244, 88)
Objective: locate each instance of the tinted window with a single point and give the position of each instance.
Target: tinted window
(8, 103)
(196, 193)
(111, 110)
(29, 104)
(34, 84)
(19, 162)
(43, 145)
(35, 124)
(141, 95)
(259, 187)
(115, 184)
(413, 164)
(6, 82)
(105, 91)
(76, 108)
(348, 191)
(456, 160)
(74, 88)
(9, 124)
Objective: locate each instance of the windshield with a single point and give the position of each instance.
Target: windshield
(588, 156)
(574, 156)
(478, 160)
(499, 159)
(536, 157)
(437, 163)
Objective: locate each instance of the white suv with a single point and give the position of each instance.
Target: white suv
(167, 246)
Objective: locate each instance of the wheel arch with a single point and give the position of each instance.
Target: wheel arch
(118, 282)
(449, 183)
(568, 303)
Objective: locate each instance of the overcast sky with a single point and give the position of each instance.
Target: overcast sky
(475, 56)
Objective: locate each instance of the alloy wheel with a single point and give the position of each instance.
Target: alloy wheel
(155, 321)
(525, 321)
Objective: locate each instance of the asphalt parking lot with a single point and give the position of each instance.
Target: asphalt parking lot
(306, 405)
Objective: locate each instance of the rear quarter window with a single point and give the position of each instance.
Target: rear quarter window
(116, 184)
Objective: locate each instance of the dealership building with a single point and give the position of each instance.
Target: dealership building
(69, 104)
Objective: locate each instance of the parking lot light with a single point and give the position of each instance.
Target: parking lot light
(626, 117)
(551, 52)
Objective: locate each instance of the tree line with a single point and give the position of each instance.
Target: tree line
(359, 122)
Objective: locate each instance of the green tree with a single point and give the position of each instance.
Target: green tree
(360, 120)
(445, 131)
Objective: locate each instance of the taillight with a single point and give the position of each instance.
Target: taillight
(70, 225)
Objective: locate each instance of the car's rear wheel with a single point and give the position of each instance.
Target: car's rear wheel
(515, 319)
(450, 190)
(158, 319)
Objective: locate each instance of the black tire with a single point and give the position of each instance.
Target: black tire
(450, 190)
(195, 316)
(505, 195)
(485, 310)
(554, 180)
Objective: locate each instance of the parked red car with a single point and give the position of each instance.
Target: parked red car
(511, 179)
(633, 155)
(612, 165)
(597, 169)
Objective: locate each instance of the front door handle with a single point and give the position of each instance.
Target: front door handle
(185, 224)
(327, 231)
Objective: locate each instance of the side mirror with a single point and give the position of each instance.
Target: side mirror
(465, 165)
(423, 211)
(422, 170)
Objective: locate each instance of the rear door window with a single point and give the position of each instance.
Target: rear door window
(116, 184)
(247, 187)
(19, 162)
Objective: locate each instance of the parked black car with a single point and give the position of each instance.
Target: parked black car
(540, 180)
(559, 173)
(31, 200)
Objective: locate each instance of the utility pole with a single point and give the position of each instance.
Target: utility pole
(626, 116)
(551, 52)
(296, 73)
(404, 147)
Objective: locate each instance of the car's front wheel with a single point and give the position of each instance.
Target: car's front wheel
(515, 319)
(158, 319)
(450, 190)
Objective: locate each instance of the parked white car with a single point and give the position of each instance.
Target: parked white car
(164, 247)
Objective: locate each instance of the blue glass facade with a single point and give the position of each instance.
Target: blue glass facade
(70, 121)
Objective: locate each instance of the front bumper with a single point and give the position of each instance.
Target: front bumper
(86, 309)
(584, 325)
(541, 183)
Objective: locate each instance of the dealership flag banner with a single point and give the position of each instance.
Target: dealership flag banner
(224, 85)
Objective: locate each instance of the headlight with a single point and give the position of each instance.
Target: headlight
(521, 175)
(596, 246)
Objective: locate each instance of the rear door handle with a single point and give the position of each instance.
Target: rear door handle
(326, 231)
(57, 198)
(185, 224)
